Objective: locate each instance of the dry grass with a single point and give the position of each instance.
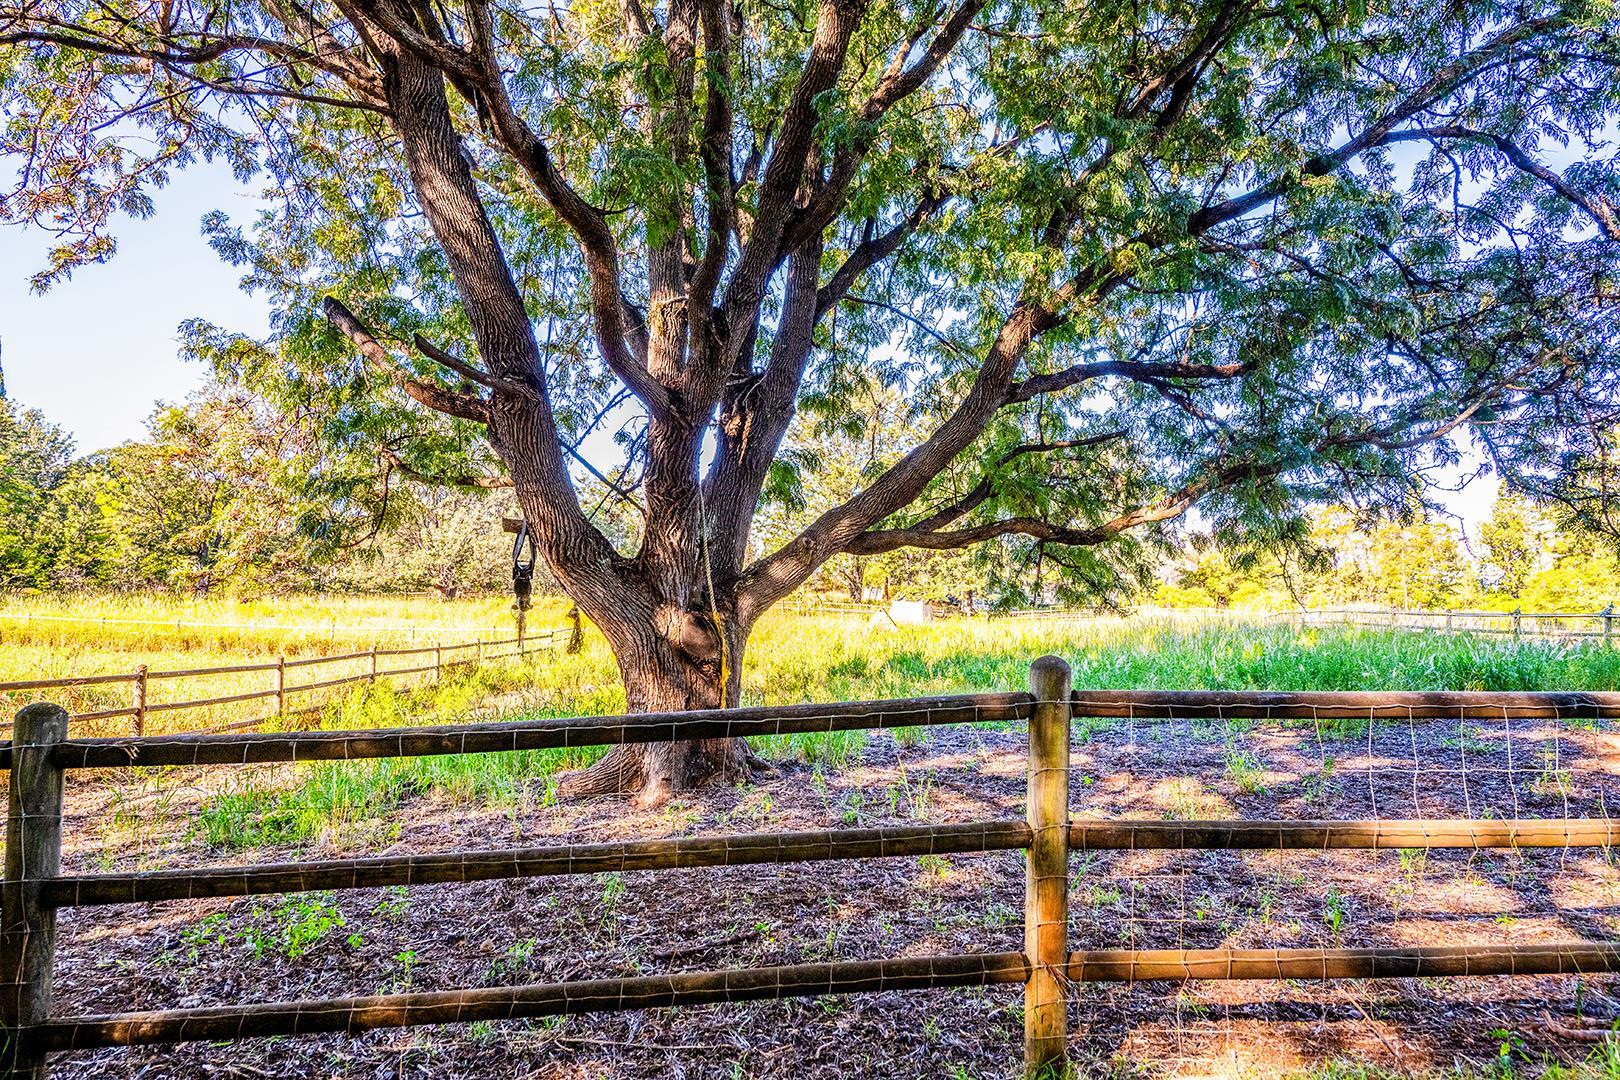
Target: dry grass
(62, 637)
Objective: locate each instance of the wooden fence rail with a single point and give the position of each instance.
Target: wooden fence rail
(1598, 625)
(34, 888)
(283, 689)
(1516, 624)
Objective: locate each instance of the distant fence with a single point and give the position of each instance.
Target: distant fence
(34, 887)
(832, 607)
(1554, 624)
(330, 627)
(1516, 624)
(290, 681)
(1191, 614)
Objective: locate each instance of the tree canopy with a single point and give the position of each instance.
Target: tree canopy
(1121, 260)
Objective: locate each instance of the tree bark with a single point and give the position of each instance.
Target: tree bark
(682, 666)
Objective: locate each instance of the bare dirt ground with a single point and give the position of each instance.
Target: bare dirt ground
(440, 937)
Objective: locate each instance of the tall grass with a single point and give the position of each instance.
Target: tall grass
(52, 637)
(791, 658)
(810, 659)
(343, 803)
(794, 658)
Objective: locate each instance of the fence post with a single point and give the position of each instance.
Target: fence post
(1516, 613)
(1608, 623)
(1046, 882)
(374, 663)
(140, 701)
(33, 853)
(438, 663)
(281, 686)
(576, 636)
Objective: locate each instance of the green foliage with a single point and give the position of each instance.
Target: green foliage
(1530, 562)
(1162, 255)
(1416, 564)
(35, 471)
(1512, 544)
(290, 926)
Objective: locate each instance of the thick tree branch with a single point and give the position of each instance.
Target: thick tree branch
(784, 171)
(986, 487)
(897, 83)
(437, 398)
(183, 61)
(715, 150)
(467, 371)
(779, 573)
(588, 223)
(430, 47)
(1171, 506)
(1139, 371)
(873, 249)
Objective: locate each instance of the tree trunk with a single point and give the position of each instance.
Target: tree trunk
(663, 675)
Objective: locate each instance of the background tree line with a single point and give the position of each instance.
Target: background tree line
(228, 492)
(1521, 556)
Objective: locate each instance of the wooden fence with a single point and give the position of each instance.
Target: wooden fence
(34, 887)
(1604, 624)
(290, 681)
(1516, 624)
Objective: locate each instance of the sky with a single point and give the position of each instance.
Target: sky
(98, 352)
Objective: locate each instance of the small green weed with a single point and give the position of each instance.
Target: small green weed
(1335, 912)
(1244, 769)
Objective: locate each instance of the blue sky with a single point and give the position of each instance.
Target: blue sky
(98, 351)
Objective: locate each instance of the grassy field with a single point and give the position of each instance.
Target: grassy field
(792, 658)
(60, 637)
(156, 818)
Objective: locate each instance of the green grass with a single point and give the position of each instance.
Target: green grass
(795, 658)
(346, 801)
(817, 659)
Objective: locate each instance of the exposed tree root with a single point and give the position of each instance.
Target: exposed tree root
(1589, 1030)
(653, 773)
(616, 773)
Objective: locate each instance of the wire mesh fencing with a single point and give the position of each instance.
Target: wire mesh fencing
(1170, 839)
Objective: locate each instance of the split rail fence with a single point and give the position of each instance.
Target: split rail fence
(1516, 624)
(35, 889)
(1603, 624)
(284, 675)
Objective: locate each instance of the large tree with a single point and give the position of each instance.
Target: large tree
(1125, 259)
